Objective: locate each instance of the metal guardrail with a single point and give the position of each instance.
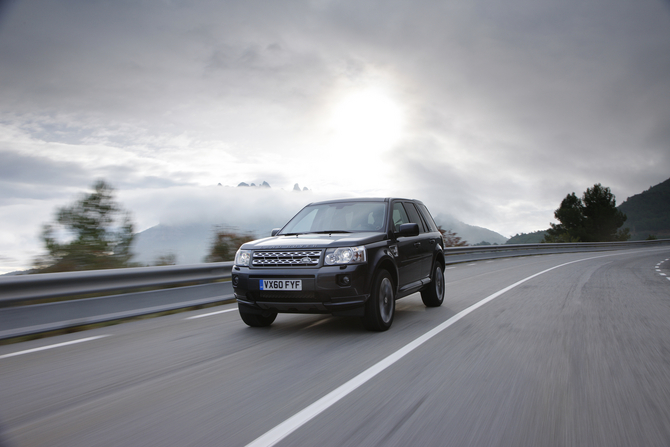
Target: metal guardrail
(24, 288)
(553, 248)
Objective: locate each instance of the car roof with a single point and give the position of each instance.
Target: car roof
(364, 199)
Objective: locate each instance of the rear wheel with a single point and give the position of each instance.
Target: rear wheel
(433, 295)
(380, 307)
(257, 320)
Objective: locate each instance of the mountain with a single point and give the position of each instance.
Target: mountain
(470, 233)
(191, 243)
(649, 212)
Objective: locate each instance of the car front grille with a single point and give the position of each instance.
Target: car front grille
(294, 258)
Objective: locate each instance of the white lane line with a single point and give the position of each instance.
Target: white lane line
(57, 345)
(299, 419)
(449, 268)
(211, 313)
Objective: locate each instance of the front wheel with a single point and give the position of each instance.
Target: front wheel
(257, 320)
(380, 307)
(433, 296)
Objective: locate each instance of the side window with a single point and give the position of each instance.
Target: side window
(414, 216)
(399, 216)
(428, 218)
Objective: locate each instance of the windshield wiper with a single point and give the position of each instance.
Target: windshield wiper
(315, 232)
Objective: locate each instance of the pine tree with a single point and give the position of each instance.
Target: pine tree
(593, 218)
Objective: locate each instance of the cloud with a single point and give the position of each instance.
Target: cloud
(248, 208)
(506, 107)
(18, 171)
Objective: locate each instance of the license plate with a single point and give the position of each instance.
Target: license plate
(280, 284)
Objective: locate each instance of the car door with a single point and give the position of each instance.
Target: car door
(425, 242)
(407, 248)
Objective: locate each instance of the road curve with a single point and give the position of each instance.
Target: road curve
(567, 349)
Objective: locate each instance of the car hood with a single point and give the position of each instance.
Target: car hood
(314, 241)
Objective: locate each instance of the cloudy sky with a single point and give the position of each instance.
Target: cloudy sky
(490, 111)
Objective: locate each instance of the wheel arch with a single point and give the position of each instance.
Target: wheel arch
(439, 258)
(385, 263)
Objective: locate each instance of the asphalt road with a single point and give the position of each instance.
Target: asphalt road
(563, 350)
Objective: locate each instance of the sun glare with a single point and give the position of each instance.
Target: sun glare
(360, 128)
(366, 122)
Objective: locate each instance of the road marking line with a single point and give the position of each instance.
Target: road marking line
(449, 268)
(211, 313)
(299, 419)
(57, 345)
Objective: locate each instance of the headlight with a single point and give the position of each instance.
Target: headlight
(242, 257)
(345, 255)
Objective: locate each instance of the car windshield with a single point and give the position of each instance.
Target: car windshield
(338, 217)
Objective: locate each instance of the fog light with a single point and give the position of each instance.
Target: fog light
(236, 280)
(344, 280)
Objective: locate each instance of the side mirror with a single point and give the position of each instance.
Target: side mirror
(275, 231)
(408, 230)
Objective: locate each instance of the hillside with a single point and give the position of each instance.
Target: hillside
(527, 238)
(649, 212)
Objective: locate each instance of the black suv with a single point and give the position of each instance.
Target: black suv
(343, 257)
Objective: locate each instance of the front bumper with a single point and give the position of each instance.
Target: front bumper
(337, 290)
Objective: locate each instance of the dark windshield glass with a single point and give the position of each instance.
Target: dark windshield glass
(338, 217)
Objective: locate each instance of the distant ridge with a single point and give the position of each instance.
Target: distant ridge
(469, 233)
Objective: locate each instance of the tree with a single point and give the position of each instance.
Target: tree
(450, 239)
(593, 218)
(98, 234)
(602, 218)
(225, 245)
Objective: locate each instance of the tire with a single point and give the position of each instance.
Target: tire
(380, 307)
(257, 320)
(433, 295)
